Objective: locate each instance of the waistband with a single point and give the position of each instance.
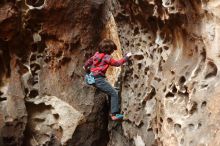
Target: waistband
(99, 76)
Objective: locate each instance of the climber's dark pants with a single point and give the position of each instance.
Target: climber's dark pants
(104, 86)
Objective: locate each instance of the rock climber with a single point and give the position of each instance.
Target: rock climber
(98, 64)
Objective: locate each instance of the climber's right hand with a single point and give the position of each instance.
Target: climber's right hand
(128, 55)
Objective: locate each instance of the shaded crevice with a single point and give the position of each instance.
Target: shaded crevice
(35, 3)
(95, 131)
(5, 69)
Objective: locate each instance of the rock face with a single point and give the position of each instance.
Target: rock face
(44, 100)
(169, 88)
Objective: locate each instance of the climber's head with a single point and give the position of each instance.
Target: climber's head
(107, 46)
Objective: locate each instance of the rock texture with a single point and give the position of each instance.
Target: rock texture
(169, 89)
(43, 46)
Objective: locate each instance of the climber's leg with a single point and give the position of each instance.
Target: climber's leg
(103, 85)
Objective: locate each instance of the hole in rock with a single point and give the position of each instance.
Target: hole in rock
(172, 72)
(161, 119)
(3, 98)
(26, 90)
(203, 104)
(151, 94)
(129, 71)
(39, 120)
(126, 86)
(174, 89)
(160, 50)
(169, 94)
(204, 86)
(39, 56)
(139, 66)
(203, 54)
(157, 79)
(182, 80)
(177, 127)
(193, 108)
(130, 62)
(35, 80)
(34, 67)
(191, 126)
(35, 3)
(199, 125)
(136, 76)
(160, 68)
(149, 129)
(141, 124)
(1, 93)
(139, 57)
(56, 116)
(150, 44)
(169, 120)
(172, 8)
(211, 70)
(33, 57)
(33, 93)
(138, 44)
(136, 31)
(166, 48)
(136, 85)
(185, 94)
(164, 89)
(146, 70)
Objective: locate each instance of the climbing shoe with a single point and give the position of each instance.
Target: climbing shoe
(117, 117)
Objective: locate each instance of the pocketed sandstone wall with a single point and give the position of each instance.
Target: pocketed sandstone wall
(43, 46)
(170, 87)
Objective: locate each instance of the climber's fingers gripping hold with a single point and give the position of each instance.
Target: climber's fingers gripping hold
(128, 55)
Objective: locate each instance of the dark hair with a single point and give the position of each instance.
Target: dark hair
(107, 46)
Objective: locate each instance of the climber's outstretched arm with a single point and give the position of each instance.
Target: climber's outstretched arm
(114, 62)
